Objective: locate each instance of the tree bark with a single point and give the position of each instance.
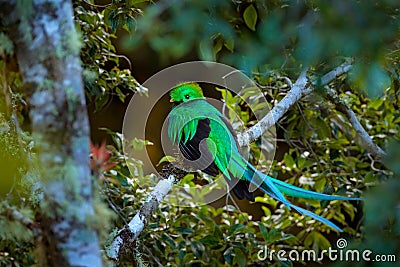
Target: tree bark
(123, 242)
(47, 48)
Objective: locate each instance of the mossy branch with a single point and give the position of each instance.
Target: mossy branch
(364, 139)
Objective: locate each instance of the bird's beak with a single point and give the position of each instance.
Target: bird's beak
(171, 100)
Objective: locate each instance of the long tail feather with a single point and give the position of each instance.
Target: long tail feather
(312, 215)
(274, 188)
(317, 217)
(298, 192)
(251, 174)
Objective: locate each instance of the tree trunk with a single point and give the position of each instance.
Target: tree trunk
(47, 48)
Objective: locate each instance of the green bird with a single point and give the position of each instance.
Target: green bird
(206, 138)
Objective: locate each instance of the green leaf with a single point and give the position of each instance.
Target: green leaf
(133, 2)
(228, 255)
(274, 235)
(121, 95)
(240, 245)
(197, 248)
(320, 184)
(139, 144)
(371, 78)
(240, 258)
(267, 211)
(338, 163)
(207, 220)
(334, 154)
(317, 241)
(375, 103)
(217, 232)
(264, 231)
(218, 46)
(168, 240)
(371, 178)
(301, 161)
(188, 179)
(122, 180)
(234, 228)
(184, 230)
(101, 101)
(229, 43)
(289, 161)
(209, 240)
(166, 159)
(250, 17)
(113, 19)
(349, 209)
(130, 24)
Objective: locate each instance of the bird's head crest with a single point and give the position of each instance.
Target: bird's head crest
(185, 92)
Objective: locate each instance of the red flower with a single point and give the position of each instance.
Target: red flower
(100, 155)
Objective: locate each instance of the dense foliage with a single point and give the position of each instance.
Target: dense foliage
(317, 147)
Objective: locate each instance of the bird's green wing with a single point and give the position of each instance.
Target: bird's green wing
(221, 144)
(182, 122)
(182, 126)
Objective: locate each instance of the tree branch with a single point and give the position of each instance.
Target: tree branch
(127, 236)
(300, 89)
(364, 139)
(276, 113)
(333, 74)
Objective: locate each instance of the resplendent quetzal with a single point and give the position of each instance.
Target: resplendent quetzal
(205, 137)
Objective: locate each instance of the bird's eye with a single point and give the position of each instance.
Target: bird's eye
(187, 96)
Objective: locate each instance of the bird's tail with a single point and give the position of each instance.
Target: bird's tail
(274, 188)
(298, 192)
(240, 167)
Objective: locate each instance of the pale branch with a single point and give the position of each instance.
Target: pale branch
(124, 241)
(276, 113)
(364, 139)
(299, 89)
(333, 74)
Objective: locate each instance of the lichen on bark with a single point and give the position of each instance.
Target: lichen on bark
(50, 69)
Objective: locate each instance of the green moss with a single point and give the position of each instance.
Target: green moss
(69, 172)
(46, 84)
(72, 100)
(72, 39)
(6, 45)
(72, 97)
(25, 10)
(101, 219)
(25, 30)
(70, 43)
